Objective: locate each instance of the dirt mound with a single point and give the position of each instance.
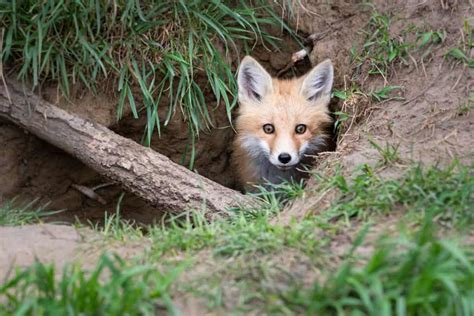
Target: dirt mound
(432, 125)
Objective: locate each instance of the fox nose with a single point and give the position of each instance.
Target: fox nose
(284, 158)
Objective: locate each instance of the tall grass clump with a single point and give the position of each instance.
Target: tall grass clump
(149, 50)
(15, 214)
(112, 287)
(447, 194)
(418, 275)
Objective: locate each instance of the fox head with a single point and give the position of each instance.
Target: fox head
(282, 120)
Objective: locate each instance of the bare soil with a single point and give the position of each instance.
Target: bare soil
(22, 246)
(58, 245)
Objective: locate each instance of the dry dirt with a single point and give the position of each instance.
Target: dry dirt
(58, 245)
(428, 126)
(21, 246)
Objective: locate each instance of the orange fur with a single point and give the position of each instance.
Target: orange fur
(285, 107)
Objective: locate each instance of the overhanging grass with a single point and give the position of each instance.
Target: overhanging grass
(158, 48)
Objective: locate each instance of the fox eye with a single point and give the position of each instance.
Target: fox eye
(268, 128)
(300, 129)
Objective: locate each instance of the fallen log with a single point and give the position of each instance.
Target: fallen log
(140, 170)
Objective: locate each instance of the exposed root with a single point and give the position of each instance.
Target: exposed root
(89, 193)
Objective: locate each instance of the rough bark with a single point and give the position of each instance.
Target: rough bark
(138, 169)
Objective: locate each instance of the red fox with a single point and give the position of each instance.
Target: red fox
(281, 123)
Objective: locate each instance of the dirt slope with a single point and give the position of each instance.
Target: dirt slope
(432, 125)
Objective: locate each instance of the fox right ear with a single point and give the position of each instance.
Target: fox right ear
(318, 82)
(253, 80)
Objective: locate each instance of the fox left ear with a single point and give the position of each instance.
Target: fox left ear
(318, 82)
(253, 80)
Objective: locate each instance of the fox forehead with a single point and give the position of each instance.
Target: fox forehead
(284, 92)
(284, 107)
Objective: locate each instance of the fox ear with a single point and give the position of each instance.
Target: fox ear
(253, 80)
(318, 82)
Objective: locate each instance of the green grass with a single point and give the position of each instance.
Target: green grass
(384, 93)
(265, 265)
(382, 49)
(352, 100)
(113, 287)
(389, 152)
(408, 275)
(13, 214)
(411, 272)
(447, 194)
(460, 53)
(115, 227)
(248, 231)
(148, 50)
(278, 194)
